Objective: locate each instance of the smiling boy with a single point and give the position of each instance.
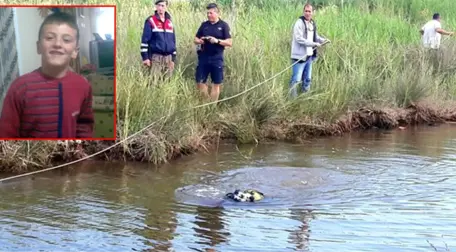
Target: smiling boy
(51, 101)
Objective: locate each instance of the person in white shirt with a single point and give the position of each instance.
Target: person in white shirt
(304, 46)
(431, 33)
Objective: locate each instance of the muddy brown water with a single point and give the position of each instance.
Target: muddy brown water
(376, 191)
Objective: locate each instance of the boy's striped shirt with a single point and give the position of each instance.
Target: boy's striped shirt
(37, 106)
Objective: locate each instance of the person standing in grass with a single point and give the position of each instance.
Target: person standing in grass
(51, 101)
(158, 41)
(431, 32)
(211, 39)
(304, 46)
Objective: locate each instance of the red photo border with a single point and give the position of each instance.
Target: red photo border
(115, 65)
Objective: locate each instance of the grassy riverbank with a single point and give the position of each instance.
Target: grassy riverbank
(372, 75)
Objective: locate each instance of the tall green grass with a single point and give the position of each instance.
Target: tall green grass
(374, 59)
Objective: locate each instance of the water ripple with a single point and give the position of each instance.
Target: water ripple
(369, 192)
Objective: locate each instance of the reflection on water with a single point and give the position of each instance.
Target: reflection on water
(388, 191)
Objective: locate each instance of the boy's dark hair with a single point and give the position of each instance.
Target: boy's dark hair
(436, 16)
(212, 6)
(161, 1)
(60, 18)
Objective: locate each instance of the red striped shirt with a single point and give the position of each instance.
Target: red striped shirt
(37, 106)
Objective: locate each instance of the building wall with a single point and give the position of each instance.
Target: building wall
(94, 20)
(85, 29)
(28, 21)
(104, 21)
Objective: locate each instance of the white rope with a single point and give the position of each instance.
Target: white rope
(150, 125)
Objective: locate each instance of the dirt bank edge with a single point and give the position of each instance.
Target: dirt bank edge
(273, 130)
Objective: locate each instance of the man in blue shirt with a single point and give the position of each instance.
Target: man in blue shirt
(211, 39)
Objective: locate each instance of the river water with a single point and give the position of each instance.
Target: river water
(376, 191)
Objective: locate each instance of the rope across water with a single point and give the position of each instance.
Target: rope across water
(150, 125)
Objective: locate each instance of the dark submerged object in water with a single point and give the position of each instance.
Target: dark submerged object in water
(248, 195)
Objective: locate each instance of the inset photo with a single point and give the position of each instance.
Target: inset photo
(57, 72)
